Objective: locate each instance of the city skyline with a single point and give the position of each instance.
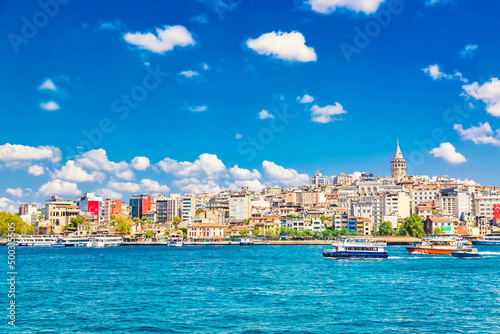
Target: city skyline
(295, 88)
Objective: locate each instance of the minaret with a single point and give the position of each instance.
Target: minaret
(398, 165)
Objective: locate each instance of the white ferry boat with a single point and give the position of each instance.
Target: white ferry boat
(246, 241)
(491, 239)
(75, 241)
(357, 247)
(175, 240)
(104, 240)
(35, 240)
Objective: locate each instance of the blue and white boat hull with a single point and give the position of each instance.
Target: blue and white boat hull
(357, 255)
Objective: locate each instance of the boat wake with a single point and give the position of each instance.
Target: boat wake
(489, 253)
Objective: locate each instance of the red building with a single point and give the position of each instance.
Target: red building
(139, 205)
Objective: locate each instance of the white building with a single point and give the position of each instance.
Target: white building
(397, 204)
(239, 207)
(318, 178)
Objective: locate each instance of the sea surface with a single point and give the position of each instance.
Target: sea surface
(257, 289)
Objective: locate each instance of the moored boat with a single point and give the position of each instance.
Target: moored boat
(35, 240)
(437, 246)
(357, 247)
(490, 240)
(246, 241)
(466, 252)
(104, 240)
(74, 241)
(175, 240)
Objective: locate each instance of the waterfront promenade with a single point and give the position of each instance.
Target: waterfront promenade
(394, 240)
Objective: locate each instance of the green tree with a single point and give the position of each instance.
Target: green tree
(9, 219)
(123, 225)
(437, 230)
(385, 228)
(415, 226)
(269, 233)
(246, 221)
(243, 233)
(75, 221)
(184, 231)
(344, 231)
(149, 234)
(176, 221)
(144, 218)
(198, 211)
(255, 233)
(323, 218)
(41, 217)
(327, 234)
(402, 231)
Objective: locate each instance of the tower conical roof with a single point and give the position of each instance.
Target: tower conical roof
(398, 154)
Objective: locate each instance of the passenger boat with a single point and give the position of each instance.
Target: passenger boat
(104, 240)
(357, 247)
(490, 239)
(175, 240)
(466, 252)
(35, 240)
(246, 241)
(437, 246)
(75, 241)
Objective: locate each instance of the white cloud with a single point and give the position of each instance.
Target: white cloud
(164, 40)
(48, 85)
(286, 46)
(325, 114)
(447, 152)
(153, 186)
(435, 72)
(468, 50)
(36, 170)
(205, 66)
(264, 114)
(206, 165)
(282, 176)
(51, 106)
(189, 74)
(253, 185)
(8, 205)
(108, 193)
(243, 174)
(126, 174)
(18, 192)
(198, 108)
(482, 134)
(305, 99)
(128, 187)
(489, 93)
(59, 187)
(70, 172)
(115, 25)
(13, 152)
(98, 160)
(140, 163)
(201, 18)
(356, 175)
(194, 185)
(329, 6)
(435, 2)
(238, 135)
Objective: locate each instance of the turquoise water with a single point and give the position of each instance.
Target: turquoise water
(271, 289)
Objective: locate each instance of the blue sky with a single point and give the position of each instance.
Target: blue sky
(373, 71)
